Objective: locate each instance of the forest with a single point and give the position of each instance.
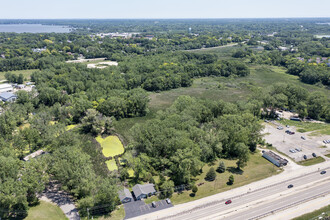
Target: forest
(172, 144)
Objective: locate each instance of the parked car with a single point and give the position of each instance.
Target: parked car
(280, 128)
(305, 157)
(153, 204)
(297, 149)
(292, 151)
(323, 172)
(290, 186)
(168, 201)
(228, 202)
(287, 126)
(313, 154)
(302, 137)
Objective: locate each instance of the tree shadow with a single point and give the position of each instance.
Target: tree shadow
(234, 170)
(192, 194)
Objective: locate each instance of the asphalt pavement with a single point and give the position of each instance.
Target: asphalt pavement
(248, 196)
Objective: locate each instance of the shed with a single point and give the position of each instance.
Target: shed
(34, 155)
(143, 191)
(125, 195)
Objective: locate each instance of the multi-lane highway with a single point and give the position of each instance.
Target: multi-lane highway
(254, 202)
(259, 197)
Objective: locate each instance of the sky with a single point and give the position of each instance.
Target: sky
(56, 9)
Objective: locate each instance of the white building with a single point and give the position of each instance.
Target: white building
(6, 88)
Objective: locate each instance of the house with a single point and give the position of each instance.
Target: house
(6, 88)
(34, 155)
(125, 196)
(143, 191)
(8, 97)
(20, 86)
(274, 158)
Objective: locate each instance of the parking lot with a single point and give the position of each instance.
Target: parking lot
(295, 145)
(136, 208)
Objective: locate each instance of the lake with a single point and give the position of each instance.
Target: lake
(33, 28)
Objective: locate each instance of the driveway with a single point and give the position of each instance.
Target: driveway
(61, 199)
(136, 208)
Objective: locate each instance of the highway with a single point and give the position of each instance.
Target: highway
(290, 200)
(254, 202)
(221, 208)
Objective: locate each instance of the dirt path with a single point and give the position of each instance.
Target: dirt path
(61, 199)
(209, 48)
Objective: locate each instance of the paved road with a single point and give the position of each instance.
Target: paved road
(221, 209)
(247, 197)
(280, 203)
(209, 48)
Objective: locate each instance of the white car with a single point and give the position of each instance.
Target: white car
(168, 201)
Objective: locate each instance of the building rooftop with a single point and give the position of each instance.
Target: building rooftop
(275, 156)
(125, 194)
(143, 189)
(6, 95)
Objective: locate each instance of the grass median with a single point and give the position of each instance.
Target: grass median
(311, 161)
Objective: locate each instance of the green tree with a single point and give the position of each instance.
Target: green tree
(194, 189)
(167, 189)
(231, 180)
(210, 175)
(222, 167)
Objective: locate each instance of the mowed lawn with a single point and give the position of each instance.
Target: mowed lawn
(111, 164)
(258, 168)
(45, 211)
(26, 73)
(111, 146)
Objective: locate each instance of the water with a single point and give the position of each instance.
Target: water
(33, 28)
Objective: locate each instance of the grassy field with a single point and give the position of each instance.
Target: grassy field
(327, 155)
(229, 88)
(258, 168)
(317, 128)
(316, 214)
(311, 161)
(111, 146)
(45, 211)
(70, 127)
(118, 214)
(111, 164)
(26, 73)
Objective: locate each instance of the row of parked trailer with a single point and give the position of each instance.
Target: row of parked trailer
(326, 141)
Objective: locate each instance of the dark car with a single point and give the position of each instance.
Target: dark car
(290, 186)
(314, 155)
(305, 157)
(228, 202)
(323, 172)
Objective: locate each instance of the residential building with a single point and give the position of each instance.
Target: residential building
(8, 97)
(125, 196)
(143, 191)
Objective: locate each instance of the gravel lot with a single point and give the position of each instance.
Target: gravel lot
(285, 142)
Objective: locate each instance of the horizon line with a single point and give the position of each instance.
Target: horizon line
(156, 18)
